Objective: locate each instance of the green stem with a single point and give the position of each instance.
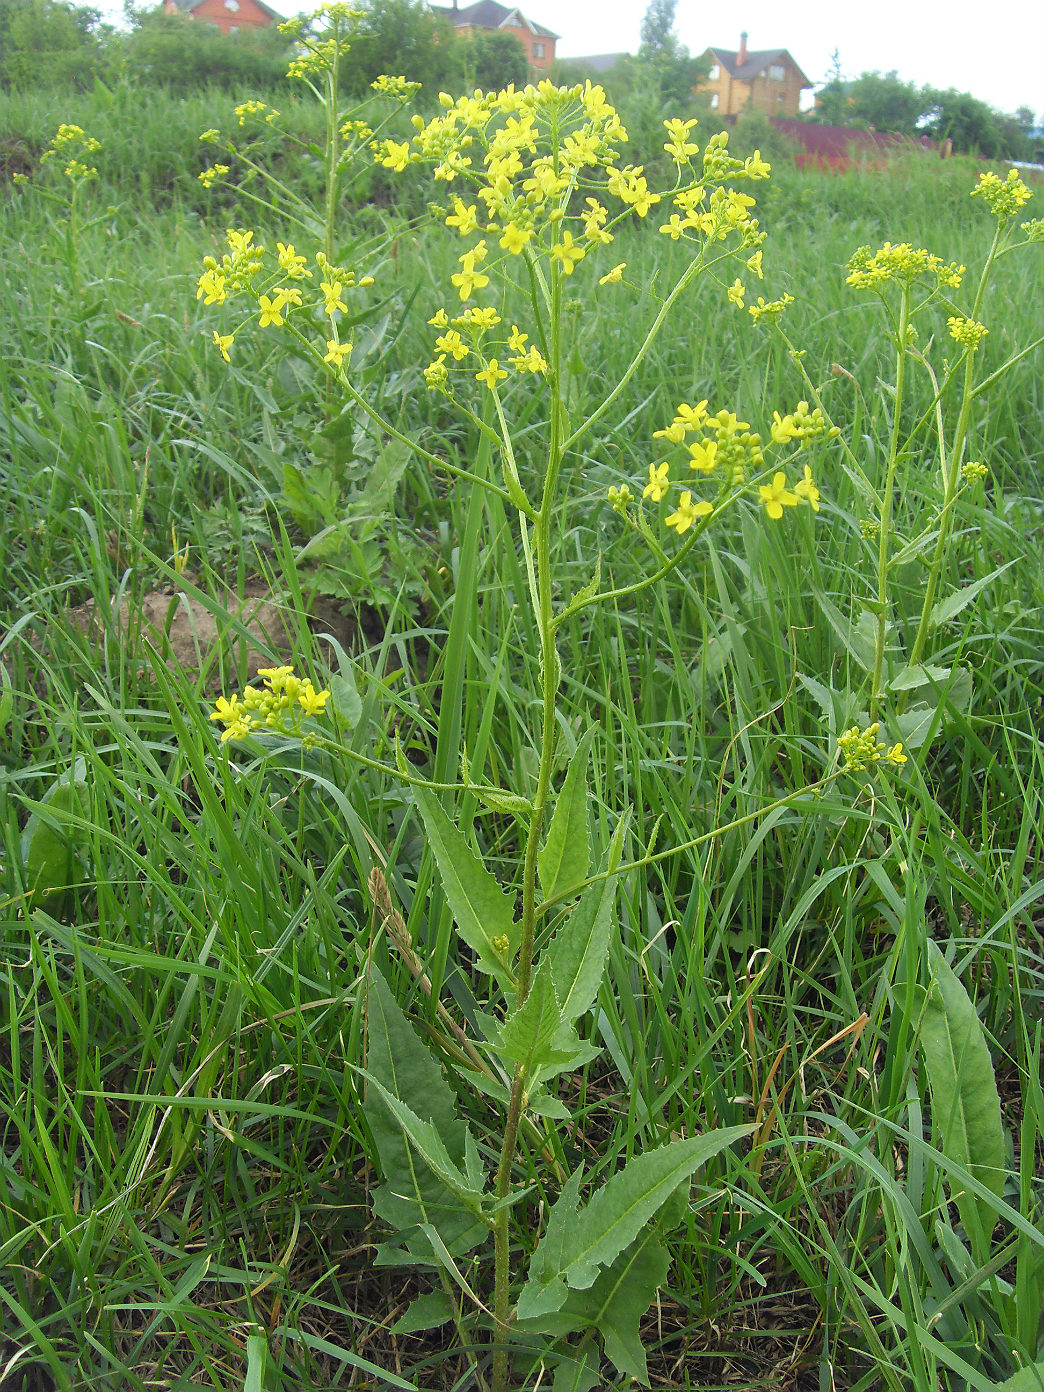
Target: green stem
(952, 476)
(549, 672)
(886, 505)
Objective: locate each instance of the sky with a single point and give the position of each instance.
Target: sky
(997, 54)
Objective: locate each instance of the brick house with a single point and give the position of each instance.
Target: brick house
(767, 80)
(538, 42)
(228, 15)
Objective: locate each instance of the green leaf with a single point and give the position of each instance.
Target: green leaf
(577, 1374)
(1028, 1379)
(578, 1244)
(580, 949)
(946, 609)
(51, 840)
(620, 1297)
(481, 910)
(429, 1311)
(429, 1147)
(345, 699)
(965, 1103)
(564, 859)
(525, 1036)
(411, 1194)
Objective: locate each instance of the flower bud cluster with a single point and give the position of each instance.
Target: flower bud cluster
(969, 333)
(860, 749)
(1003, 197)
(901, 265)
(280, 707)
(73, 148)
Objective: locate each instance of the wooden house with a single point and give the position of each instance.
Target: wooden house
(765, 80)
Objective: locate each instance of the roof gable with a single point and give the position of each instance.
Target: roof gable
(488, 14)
(755, 62)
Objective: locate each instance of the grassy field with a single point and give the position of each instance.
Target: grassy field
(186, 1167)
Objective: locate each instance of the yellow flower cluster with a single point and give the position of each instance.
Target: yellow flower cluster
(73, 148)
(280, 707)
(1034, 229)
(396, 87)
(969, 333)
(771, 310)
(539, 173)
(245, 110)
(320, 36)
(1004, 197)
(974, 471)
(281, 292)
(860, 749)
(462, 340)
(212, 174)
(728, 449)
(901, 264)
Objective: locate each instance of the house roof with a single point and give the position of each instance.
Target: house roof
(187, 6)
(755, 63)
(488, 14)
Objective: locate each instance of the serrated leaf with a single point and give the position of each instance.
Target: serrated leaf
(580, 949)
(1028, 1379)
(429, 1311)
(525, 1036)
(564, 859)
(586, 1241)
(620, 1297)
(589, 590)
(946, 609)
(411, 1194)
(965, 1103)
(577, 1374)
(482, 912)
(428, 1145)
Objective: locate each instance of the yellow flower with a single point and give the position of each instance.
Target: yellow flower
(895, 755)
(332, 294)
(515, 238)
(223, 342)
(568, 253)
(776, 497)
(211, 288)
(806, 489)
(493, 374)
(451, 342)
(703, 454)
(687, 513)
(393, 155)
(615, 275)
(736, 292)
(659, 481)
(270, 311)
(290, 263)
(754, 264)
(336, 352)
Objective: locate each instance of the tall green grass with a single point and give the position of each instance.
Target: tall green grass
(184, 1165)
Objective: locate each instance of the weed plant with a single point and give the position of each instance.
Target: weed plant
(186, 1168)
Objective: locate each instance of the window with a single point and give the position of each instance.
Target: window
(777, 72)
(232, 6)
(714, 101)
(714, 73)
(538, 50)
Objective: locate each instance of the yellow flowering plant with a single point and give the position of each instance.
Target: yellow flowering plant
(537, 194)
(911, 284)
(70, 159)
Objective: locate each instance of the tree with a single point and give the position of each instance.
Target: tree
(493, 59)
(884, 103)
(663, 60)
(831, 106)
(962, 118)
(403, 38)
(44, 43)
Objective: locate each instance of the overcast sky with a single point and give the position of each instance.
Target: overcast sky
(994, 51)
